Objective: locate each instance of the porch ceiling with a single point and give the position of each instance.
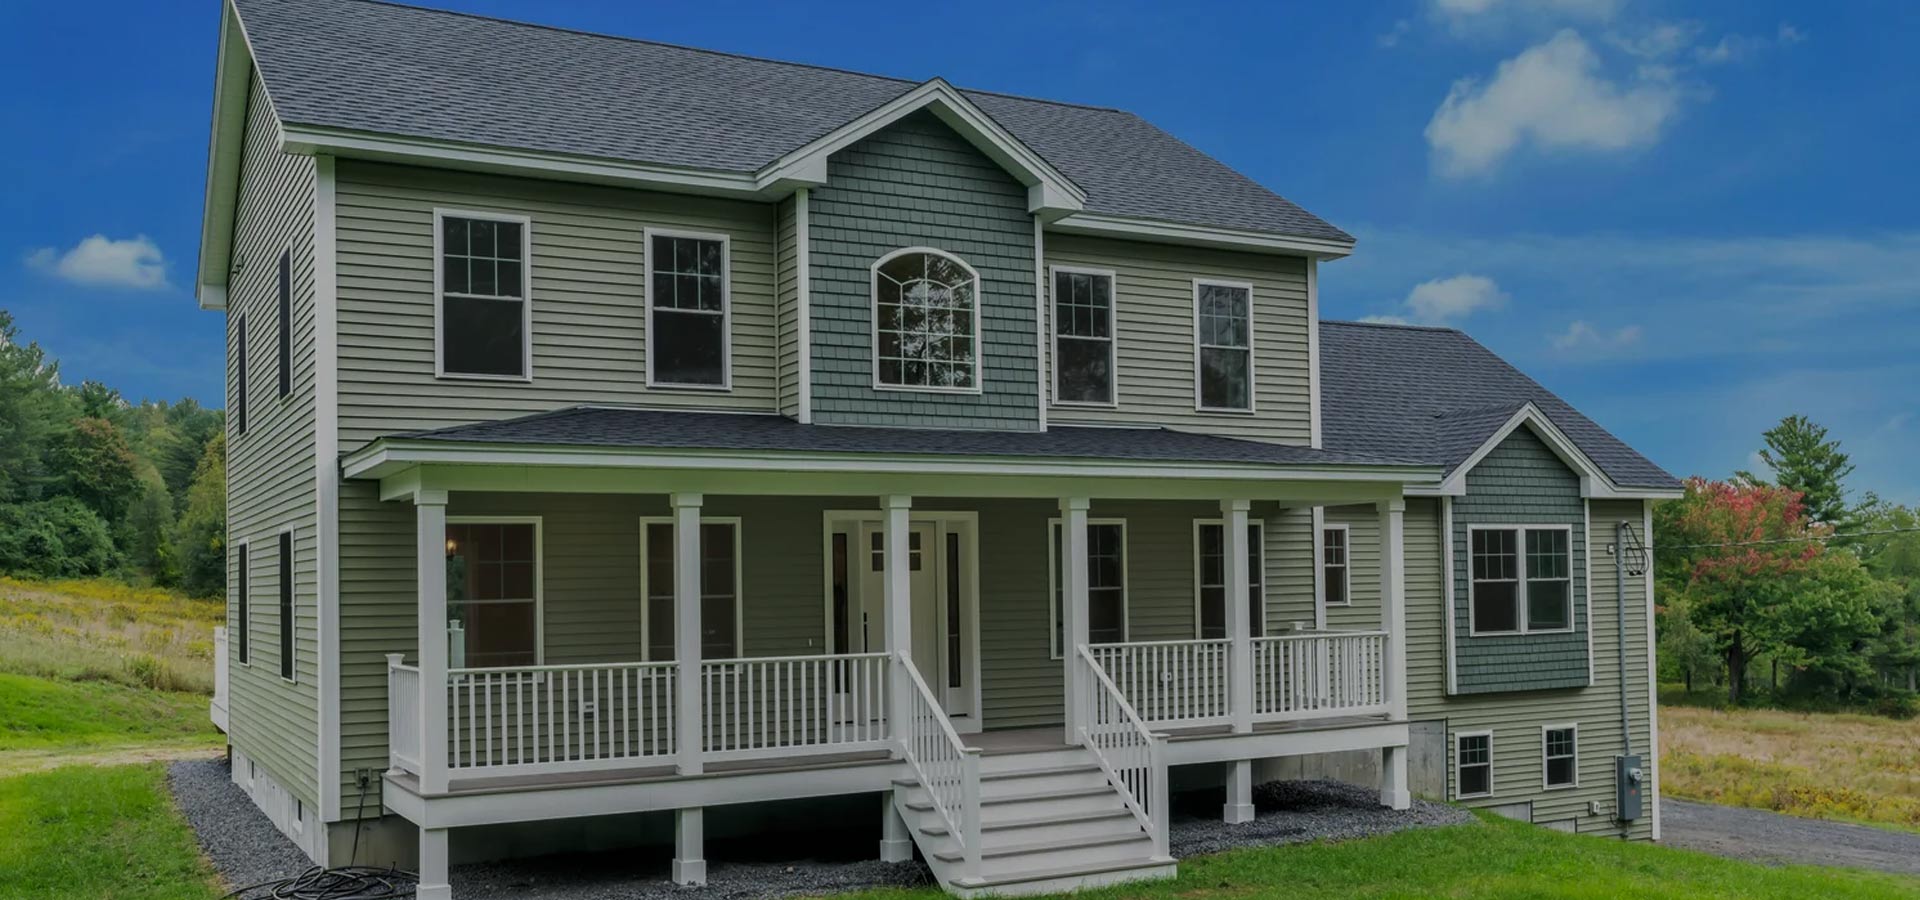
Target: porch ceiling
(642, 450)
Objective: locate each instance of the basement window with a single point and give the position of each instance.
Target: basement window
(1473, 765)
(1560, 756)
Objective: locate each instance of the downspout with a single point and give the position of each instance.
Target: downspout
(1621, 530)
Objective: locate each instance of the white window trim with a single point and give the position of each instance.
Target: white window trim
(1259, 527)
(739, 583)
(726, 308)
(243, 579)
(873, 328)
(1112, 338)
(1054, 629)
(1252, 404)
(1459, 736)
(1567, 726)
(440, 215)
(1520, 589)
(293, 605)
(1346, 568)
(539, 573)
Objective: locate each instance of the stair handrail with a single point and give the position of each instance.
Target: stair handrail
(946, 768)
(1113, 731)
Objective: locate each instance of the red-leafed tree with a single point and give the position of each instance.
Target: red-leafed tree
(1755, 576)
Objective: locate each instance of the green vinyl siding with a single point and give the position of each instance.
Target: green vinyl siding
(787, 305)
(917, 183)
(589, 313)
(1153, 291)
(1362, 611)
(270, 468)
(1521, 482)
(1289, 564)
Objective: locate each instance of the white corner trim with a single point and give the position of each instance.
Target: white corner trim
(803, 292)
(1043, 361)
(1652, 753)
(1165, 232)
(326, 477)
(1447, 590)
(1055, 191)
(1586, 513)
(725, 241)
(1313, 352)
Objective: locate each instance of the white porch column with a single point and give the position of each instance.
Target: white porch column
(1239, 619)
(430, 575)
(690, 846)
(897, 595)
(896, 845)
(1073, 609)
(1239, 808)
(686, 640)
(433, 859)
(1393, 604)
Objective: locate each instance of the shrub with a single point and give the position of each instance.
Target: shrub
(57, 538)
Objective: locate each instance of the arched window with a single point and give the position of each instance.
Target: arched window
(926, 322)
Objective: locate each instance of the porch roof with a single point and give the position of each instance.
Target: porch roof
(592, 435)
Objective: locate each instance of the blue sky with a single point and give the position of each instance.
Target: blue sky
(1690, 220)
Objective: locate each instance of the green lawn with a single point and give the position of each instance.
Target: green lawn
(38, 714)
(1498, 859)
(91, 832)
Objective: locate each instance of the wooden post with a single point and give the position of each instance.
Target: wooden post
(433, 857)
(897, 596)
(430, 575)
(1239, 619)
(686, 635)
(1393, 604)
(1073, 610)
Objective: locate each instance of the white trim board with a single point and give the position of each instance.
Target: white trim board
(326, 477)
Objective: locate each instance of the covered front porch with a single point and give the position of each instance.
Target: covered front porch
(895, 633)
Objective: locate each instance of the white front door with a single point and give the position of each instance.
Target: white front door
(939, 581)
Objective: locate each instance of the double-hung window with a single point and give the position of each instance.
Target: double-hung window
(1560, 756)
(1223, 345)
(1522, 579)
(1210, 558)
(719, 587)
(493, 592)
(926, 322)
(687, 310)
(1106, 582)
(1083, 336)
(1473, 765)
(1336, 572)
(287, 622)
(485, 318)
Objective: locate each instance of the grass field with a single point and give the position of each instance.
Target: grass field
(1824, 765)
(106, 631)
(92, 832)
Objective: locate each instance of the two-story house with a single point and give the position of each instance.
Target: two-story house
(621, 432)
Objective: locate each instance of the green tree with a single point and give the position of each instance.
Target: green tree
(146, 535)
(54, 538)
(1803, 460)
(1893, 557)
(92, 463)
(201, 538)
(32, 410)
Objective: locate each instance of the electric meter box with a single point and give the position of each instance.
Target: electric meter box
(1629, 781)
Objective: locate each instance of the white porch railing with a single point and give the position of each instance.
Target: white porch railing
(1171, 683)
(793, 705)
(1132, 756)
(217, 707)
(1319, 674)
(946, 768)
(559, 718)
(403, 716)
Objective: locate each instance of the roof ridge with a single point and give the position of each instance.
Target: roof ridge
(725, 53)
(1402, 326)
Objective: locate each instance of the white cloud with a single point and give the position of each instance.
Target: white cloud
(1584, 339)
(1444, 299)
(1464, 15)
(1553, 97)
(1385, 320)
(1740, 47)
(98, 261)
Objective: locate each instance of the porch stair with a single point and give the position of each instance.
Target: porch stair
(1049, 822)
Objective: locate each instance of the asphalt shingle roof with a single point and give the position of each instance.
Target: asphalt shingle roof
(400, 70)
(595, 426)
(1434, 395)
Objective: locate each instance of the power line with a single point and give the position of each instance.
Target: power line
(1804, 540)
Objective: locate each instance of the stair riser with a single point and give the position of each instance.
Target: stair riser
(1066, 884)
(1012, 810)
(1020, 787)
(1014, 837)
(1027, 762)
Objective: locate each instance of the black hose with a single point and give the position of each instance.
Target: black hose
(350, 882)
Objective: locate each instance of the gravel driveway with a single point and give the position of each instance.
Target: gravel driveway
(1769, 837)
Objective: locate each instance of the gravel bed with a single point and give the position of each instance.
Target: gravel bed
(1293, 812)
(246, 849)
(244, 846)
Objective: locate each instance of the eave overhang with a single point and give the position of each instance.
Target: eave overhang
(1594, 482)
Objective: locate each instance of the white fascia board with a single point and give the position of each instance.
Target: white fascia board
(1159, 231)
(1594, 483)
(384, 458)
(1055, 191)
(232, 73)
